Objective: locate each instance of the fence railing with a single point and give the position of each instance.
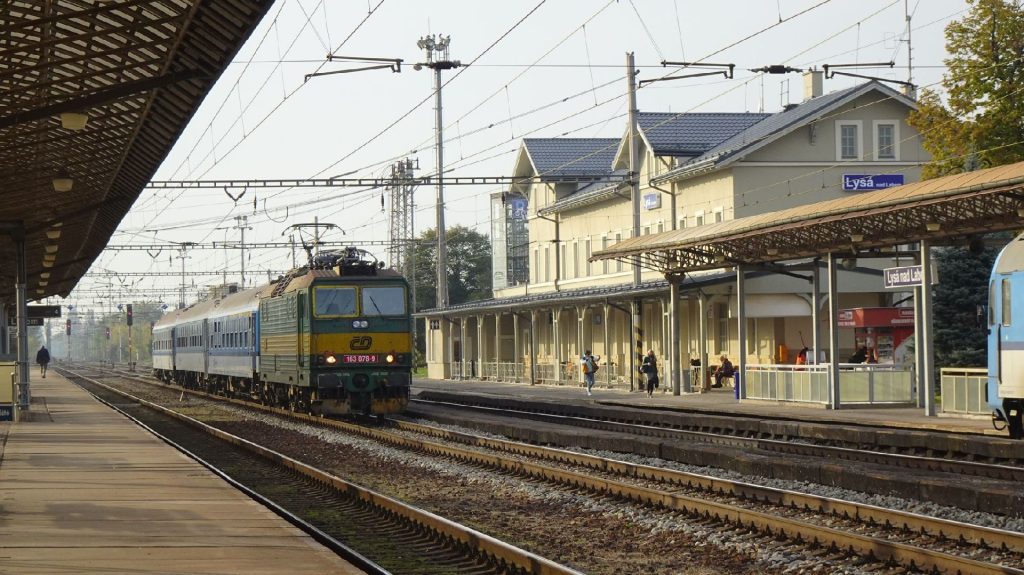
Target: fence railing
(858, 383)
(965, 391)
(804, 383)
(876, 384)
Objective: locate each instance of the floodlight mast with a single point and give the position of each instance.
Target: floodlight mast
(436, 49)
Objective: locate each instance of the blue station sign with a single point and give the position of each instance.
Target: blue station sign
(869, 182)
(6, 412)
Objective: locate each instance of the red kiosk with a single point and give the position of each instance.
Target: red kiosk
(885, 331)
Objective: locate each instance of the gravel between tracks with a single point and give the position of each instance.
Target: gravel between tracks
(593, 534)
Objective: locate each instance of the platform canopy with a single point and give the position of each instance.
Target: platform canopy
(948, 209)
(134, 71)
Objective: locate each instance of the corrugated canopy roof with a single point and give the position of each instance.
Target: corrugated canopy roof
(139, 69)
(960, 205)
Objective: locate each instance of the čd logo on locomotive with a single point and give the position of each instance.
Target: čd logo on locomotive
(360, 343)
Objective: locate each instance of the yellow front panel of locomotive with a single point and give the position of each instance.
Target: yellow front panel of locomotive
(347, 343)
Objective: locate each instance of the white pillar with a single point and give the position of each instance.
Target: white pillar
(607, 357)
(918, 348)
(702, 345)
(741, 332)
(556, 338)
(462, 344)
(533, 347)
(479, 347)
(833, 334)
(927, 335)
(675, 339)
(815, 317)
(516, 352)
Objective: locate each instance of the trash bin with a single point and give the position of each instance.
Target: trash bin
(7, 389)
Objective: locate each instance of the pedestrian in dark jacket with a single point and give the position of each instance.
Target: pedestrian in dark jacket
(650, 368)
(43, 358)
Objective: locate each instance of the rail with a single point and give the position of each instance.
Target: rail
(965, 391)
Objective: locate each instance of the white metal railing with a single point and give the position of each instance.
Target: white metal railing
(858, 383)
(799, 383)
(965, 391)
(455, 369)
(875, 384)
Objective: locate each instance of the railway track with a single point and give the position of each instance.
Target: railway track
(931, 463)
(381, 534)
(881, 538)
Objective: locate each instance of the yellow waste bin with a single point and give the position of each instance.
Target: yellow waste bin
(7, 370)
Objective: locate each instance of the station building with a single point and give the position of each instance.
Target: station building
(551, 302)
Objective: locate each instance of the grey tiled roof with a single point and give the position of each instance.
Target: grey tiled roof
(692, 134)
(784, 120)
(571, 156)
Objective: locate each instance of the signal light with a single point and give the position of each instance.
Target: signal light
(67, 327)
(128, 314)
(108, 333)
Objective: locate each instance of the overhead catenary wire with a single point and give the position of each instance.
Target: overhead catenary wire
(464, 134)
(453, 78)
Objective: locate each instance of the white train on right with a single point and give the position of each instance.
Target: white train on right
(1005, 391)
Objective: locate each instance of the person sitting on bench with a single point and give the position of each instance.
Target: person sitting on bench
(724, 370)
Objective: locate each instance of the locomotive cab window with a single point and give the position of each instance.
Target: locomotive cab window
(388, 300)
(334, 301)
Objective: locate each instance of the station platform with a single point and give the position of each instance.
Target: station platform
(718, 402)
(85, 490)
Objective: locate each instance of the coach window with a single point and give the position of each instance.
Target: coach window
(992, 303)
(388, 300)
(1006, 302)
(334, 301)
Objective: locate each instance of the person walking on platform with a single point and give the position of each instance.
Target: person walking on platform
(724, 370)
(43, 358)
(650, 368)
(590, 364)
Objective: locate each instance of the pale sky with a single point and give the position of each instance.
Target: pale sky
(559, 72)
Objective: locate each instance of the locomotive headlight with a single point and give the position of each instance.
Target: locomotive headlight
(360, 323)
(390, 358)
(331, 360)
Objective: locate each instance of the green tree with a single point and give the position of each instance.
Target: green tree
(982, 122)
(960, 336)
(469, 267)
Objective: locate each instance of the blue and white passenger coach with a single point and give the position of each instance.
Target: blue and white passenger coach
(1006, 338)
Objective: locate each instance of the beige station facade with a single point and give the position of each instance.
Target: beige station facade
(551, 302)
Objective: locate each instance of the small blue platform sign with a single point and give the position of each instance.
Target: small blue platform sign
(906, 276)
(6, 412)
(652, 201)
(869, 182)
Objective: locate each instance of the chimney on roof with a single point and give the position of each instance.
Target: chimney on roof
(813, 83)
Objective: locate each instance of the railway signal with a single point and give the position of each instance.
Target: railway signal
(128, 314)
(67, 327)
(108, 333)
